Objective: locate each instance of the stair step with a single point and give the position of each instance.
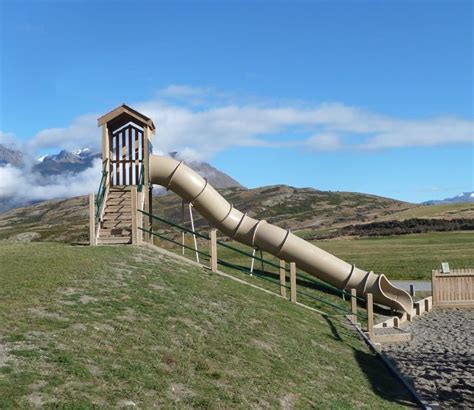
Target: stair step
(118, 208)
(121, 188)
(120, 231)
(117, 215)
(119, 201)
(116, 224)
(119, 198)
(114, 240)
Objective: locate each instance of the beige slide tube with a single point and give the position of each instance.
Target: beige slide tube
(193, 188)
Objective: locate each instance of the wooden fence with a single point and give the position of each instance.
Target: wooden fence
(453, 289)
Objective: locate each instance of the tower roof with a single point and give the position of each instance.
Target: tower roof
(124, 114)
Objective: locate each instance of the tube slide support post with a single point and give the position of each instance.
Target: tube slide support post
(354, 305)
(134, 211)
(150, 210)
(370, 314)
(293, 282)
(182, 223)
(190, 206)
(213, 248)
(92, 237)
(282, 279)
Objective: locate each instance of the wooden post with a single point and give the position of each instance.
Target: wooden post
(282, 279)
(354, 305)
(182, 223)
(434, 287)
(92, 238)
(293, 282)
(150, 211)
(370, 314)
(134, 211)
(213, 248)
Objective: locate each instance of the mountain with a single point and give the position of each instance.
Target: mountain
(10, 156)
(48, 167)
(216, 178)
(66, 161)
(458, 199)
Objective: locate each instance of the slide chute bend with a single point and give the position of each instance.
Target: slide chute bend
(193, 188)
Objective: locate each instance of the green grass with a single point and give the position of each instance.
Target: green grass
(459, 210)
(106, 326)
(407, 256)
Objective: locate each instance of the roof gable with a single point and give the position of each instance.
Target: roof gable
(123, 114)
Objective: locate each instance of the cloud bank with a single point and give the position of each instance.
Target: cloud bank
(35, 187)
(201, 122)
(221, 121)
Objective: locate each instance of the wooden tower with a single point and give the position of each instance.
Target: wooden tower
(125, 186)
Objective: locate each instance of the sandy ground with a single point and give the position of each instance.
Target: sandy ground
(440, 358)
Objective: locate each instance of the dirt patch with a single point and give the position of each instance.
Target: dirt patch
(288, 402)
(156, 287)
(84, 299)
(35, 399)
(25, 237)
(3, 355)
(179, 391)
(45, 314)
(130, 315)
(439, 359)
(262, 345)
(126, 403)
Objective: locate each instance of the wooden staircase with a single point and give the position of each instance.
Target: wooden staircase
(116, 223)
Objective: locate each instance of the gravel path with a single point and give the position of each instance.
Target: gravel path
(440, 358)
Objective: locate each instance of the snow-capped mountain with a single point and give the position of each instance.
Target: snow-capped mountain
(66, 161)
(458, 199)
(48, 170)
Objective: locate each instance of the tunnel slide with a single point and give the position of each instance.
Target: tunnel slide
(190, 186)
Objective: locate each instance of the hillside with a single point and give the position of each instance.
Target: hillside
(309, 212)
(295, 208)
(125, 326)
(298, 208)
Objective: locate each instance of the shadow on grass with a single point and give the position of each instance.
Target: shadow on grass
(383, 383)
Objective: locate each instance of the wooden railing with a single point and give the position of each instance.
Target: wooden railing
(453, 289)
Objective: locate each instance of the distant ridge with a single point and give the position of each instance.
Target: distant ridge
(458, 199)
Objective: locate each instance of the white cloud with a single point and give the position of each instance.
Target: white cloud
(82, 132)
(324, 142)
(36, 187)
(219, 122)
(200, 122)
(183, 91)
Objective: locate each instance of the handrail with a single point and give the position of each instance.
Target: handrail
(230, 265)
(99, 201)
(174, 224)
(307, 277)
(175, 242)
(225, 245)
(141, 181)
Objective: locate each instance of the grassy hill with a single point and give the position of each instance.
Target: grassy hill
(295, 208)
(308, 212)
(125, 326)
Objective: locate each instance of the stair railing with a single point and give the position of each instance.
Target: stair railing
(102, 192)
(141, 200)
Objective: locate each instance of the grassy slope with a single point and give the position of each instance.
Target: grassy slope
(408, 256)
(398, 257)
(465, 210)
(104, 325)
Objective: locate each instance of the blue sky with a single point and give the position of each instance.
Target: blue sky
(345, 95)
